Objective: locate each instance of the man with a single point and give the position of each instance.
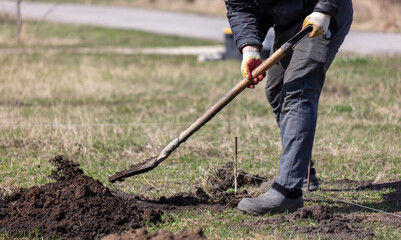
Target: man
(293, 85)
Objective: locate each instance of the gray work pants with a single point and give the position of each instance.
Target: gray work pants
(293, 89)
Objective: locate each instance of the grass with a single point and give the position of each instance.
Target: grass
(53, 35)
(45, 93)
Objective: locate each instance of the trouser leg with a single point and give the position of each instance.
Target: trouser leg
(294, 96)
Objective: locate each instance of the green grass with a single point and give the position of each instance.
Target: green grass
(358, 131)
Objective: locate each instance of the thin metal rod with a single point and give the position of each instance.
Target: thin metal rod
(308, 180)
(236, 165)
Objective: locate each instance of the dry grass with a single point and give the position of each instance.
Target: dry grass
(358, 125)
(378, 15)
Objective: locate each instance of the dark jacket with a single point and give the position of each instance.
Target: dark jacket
(251, 19)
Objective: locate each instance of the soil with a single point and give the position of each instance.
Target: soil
(330, 225)
(77, 206)
(222, 178)
(142, 234)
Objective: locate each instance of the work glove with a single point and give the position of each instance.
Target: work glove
(319, 21)
(250, 61)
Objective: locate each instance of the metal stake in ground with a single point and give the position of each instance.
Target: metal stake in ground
(236, 165)
(308, 180)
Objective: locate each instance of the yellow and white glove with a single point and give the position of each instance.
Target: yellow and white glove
(250, 61)
(319, 21)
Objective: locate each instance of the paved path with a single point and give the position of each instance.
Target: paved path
(177, 24)
(119, 17)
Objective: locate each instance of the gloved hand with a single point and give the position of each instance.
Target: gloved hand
(320, 23)
(250, 61)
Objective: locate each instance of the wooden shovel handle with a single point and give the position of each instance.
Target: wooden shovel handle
(230, 95)
(237, 89)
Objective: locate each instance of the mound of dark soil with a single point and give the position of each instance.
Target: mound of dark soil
(142, 234)
(75, 207)
(223, 178)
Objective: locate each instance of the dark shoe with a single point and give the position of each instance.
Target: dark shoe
(276, 200)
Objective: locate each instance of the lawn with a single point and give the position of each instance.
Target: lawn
(108, 111)
(46, 35)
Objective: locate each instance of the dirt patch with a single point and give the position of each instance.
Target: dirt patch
(212, 196)
(330, 225)
(75, 207)
(142, 234)
(222, 178)
(333, 225)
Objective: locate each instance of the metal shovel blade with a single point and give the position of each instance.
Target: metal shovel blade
(136, 169)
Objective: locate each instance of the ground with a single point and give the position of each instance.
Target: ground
(109, 111)
(77, 206)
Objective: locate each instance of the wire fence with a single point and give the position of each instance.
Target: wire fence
(68, 125)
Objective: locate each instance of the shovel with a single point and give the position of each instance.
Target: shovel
(153, 162)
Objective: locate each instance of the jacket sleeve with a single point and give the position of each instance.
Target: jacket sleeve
(327, 6)
(244, 17)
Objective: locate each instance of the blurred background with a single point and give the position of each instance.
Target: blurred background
(373, 15)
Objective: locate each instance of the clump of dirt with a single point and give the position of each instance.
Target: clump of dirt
(142, 234)
(76, 206)
(222, 178)
(317, 213)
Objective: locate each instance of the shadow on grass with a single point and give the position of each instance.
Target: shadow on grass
(391, 201)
